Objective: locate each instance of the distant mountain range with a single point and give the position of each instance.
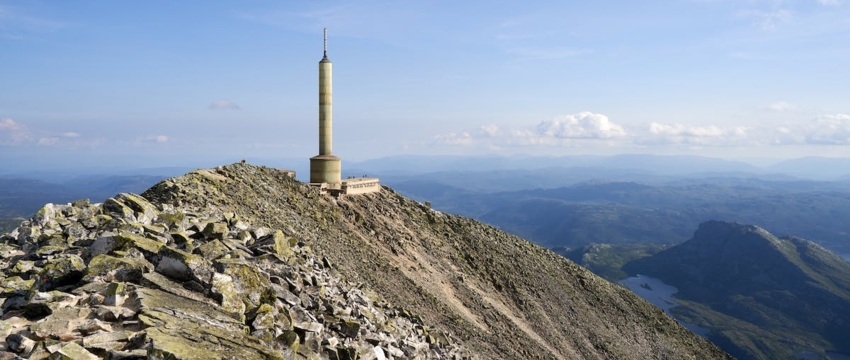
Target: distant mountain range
(662, 214)
(814, 168)
(762, 297)
(21, 197)
(568, 201)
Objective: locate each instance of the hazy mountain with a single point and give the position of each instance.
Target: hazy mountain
(61, 175)
(761, 296)
(650, 164)
(607, 260)
(99, 188)
(629, 212)
(814, 167)
(21, 197)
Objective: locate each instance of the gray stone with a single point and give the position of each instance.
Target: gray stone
(72, 351)
(19, 344)
(301, 319)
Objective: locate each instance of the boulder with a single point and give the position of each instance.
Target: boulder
(252, 287)
(109, 268)
(143, 210)
(127, 241)
(61, 271)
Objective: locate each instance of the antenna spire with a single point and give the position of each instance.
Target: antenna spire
(326, 43)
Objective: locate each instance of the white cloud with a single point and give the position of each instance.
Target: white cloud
(13, 133)
(590, 129)
(457, 139)
(585, 125)
(710, 135)
(224, 105)
(561, 130)
(782, 106)
(829, 2)
(9, 124)
(822, 130)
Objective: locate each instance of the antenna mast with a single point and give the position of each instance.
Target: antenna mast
(326, 42)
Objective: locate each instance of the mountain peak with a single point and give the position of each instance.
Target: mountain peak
(713, 236)
(790, 293)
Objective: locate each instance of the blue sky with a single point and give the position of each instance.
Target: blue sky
(159, 83)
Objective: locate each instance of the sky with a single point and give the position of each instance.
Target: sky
(172, 83)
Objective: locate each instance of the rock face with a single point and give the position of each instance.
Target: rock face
(761, 296)
(243, 262)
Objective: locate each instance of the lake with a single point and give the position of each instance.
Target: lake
(661, 295)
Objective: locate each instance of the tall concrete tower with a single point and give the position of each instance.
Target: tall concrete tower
(325, 168)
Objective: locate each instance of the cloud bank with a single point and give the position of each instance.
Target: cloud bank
(592, 128)
(711, 135)
(822, 130)
(13, 133)
(560, 130)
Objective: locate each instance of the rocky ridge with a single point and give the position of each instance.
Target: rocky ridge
(129, 279)
(417, 282)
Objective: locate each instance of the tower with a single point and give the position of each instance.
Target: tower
(325, 168)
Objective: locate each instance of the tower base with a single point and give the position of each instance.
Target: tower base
(325, 169)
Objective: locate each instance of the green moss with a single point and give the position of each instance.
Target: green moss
(127, 241)
(289, 339)
(282, 245)
(173, 221)
(251, 286)
(16, 285)
(58, 271)
(165, 346)
(118, 209)
(212, 250)
(116, 288)
(216, 230)
(125, 267)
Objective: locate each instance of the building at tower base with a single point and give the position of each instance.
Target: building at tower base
(325, 169)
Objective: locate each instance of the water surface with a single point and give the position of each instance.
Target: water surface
(659, 294)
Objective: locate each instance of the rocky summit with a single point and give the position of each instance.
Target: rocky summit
(244, 262)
